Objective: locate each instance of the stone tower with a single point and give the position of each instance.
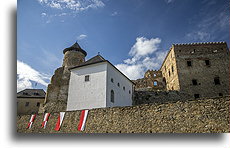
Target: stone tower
(57, 90)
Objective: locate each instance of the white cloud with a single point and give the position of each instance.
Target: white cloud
(81, 37)
(169, 1)
(114, 13)
(26, 74)
(145, 54)
(76, 5)
(199, 36)
(43, 14)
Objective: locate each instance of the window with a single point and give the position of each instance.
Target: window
(112, 96)
(154, 75)
(220, 94)
(25, 93)
(172, 88)
(196, 96)
(194, 82)
(155, 83)
(207, 62)
(123, 88)
(27, 104)
(38, 104)
(36, 94)
(86, 78)
(172, 69)
(129, 92)
(189, 63)
(217, 81)
(169, 73)
(165, 68)
(118, 84)
(112, 80)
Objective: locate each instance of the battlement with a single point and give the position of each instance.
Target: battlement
(199, 43)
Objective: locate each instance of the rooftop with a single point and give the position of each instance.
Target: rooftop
(75, 47)
(31, 93)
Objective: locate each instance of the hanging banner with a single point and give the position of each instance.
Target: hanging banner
(59, 122)
(81, 125)
(45, 120)
(32, 118)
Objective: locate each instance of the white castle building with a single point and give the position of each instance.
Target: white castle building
(97, 83)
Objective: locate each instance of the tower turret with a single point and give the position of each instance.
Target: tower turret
(73, 56)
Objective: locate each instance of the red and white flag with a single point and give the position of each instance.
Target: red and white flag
(59, 122)
(81, 125)
(45, 120)
(32, 118)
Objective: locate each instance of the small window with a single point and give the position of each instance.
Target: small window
(36, 94)
(196, 96)
(112, 80)
(38, 104)
(25, 93)
(189, 63)
(129, 92)
(172, 88)
(217, 81)
(118, 84)
(27, 104)
(220, 94)
(123, 88)
(194, 82)
(154, 75)
(86, 78)
(155, 83)
(179, 50)
(172, 69)
(169, 73)
(207, 62)
(165, 68)
(112, 96)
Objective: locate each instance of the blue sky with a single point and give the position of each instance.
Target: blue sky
(134, 35)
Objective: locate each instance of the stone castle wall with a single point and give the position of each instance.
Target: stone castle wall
(198, 116)
(146, 96)
(217, 57)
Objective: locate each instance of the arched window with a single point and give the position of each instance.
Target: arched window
(155, 83)
(112, 96)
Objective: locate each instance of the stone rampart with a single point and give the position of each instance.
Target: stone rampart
(197, 116)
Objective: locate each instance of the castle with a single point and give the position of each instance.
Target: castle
(198, 70)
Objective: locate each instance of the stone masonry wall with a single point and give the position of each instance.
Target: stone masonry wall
(146, 96)
(199, 116)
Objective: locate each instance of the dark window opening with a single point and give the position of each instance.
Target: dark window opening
(194, 82)
(172, 69)
(169, 73)
(172, 88)
(189, 63)
(112, 96)
(118, 84)
(220, 94)
(38, 104)
(123, 88)
(86, 78)
(207, 62)
(197, 96)
(27, 104)
(112, 80)
(217, 81)
(36, 94)
(25, 93)
(164, 80)
(129, 92)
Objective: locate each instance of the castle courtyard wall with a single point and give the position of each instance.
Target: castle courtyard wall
(198, 116)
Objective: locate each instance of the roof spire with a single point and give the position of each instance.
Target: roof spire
(75, 47)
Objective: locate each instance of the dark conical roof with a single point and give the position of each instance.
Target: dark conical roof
(75, 47)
